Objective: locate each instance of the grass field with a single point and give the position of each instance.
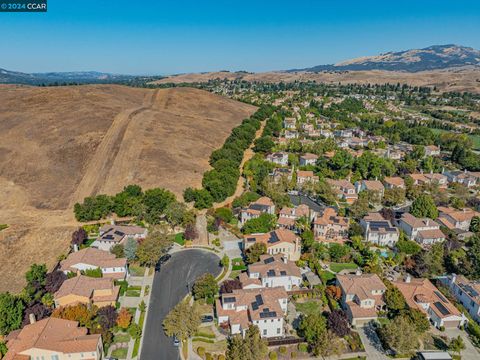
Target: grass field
(337, 267)
(309, 307)
(120, 353)
(475, 138)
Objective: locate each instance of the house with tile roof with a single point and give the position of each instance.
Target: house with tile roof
(304, 176)
(279, 158)
(87, 290)
(279, 241)
(263, 307)
(370, 185)
(272, 271)
(344, 190)
(456, 219)
(379, 231)
(425, 231)
(111, 235)
(362, 297)
(308, 159)
(393, 182)
(421, 294)
(257, 208)
(92, 258)
(467, 292)
(330, 227)
(53, 339)
(461, 177)
(432, 150)
(288, 216)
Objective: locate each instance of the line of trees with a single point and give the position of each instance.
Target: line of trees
(221, 182)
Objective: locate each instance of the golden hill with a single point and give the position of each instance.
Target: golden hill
(60, 144)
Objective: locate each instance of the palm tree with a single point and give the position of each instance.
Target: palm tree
(475, 224)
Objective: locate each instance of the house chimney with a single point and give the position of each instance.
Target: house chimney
(358, 272)
(408, 278)
(284, 258)
(112, 221)
(75, 247)
(454, 278)
(32, 319)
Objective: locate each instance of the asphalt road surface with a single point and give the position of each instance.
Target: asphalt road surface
(169, 287)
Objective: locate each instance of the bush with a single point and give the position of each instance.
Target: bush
(208, 356)
(273, 355)
(441, 328)
(303, 348)
(293, 355)
(201, 351)
(282, 350)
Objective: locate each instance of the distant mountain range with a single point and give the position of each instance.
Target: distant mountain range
(434, 57)
(82, 77)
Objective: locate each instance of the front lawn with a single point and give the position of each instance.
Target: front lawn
(136, 270)
(326, 276)
(179, 239)
(133, 291)
(337, 267)
(120, 353)
(238, 264)
(121, 338)
(216, 347)
(309, 307)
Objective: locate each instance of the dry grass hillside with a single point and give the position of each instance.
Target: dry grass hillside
(60, 144)
(460, 79)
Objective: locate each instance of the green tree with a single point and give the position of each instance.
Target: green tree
(157, 244)
(205, 287)
(118, 250)
(182, 321)
(264, 223)
(400, 335)
(418, 319)
(252, 347)
(424, 206)
(338, 251)
(36, 275)
(394, 299)
(394, 197)
(156, 201)
(95, 273)
(130, 249)
(175, 213)
(11, 313)
(475, 224)
(253, 252)
(457, 345)
(313, 327)
(408, 247)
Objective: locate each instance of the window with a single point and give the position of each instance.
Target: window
(54, 357)
(278, 331)
(264, 332)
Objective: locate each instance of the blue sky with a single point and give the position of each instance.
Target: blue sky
(161, 37)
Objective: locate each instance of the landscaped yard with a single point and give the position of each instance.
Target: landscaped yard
(325, 276)
(234, 274)
(337, 267)
(179, 239)
(120, 353)
(216, 347)
(203, 307)
(309, 307)
(133, 291)
(121, 338)
(238, 264)
(136, 270)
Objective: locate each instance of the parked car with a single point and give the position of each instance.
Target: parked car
(176, 342)
(207, 318)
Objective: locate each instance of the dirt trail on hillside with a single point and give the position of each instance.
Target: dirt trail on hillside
(246, 156)
(101, 163)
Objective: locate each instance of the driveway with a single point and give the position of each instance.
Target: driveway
(470, 352)
(169, 287)
(372, 344)
(231, 244)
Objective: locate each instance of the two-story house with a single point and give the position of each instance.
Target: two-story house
(330, 227)
(425, 231)
(280, 241)
(53, 339)
(308, 159)
(263, 307)
(421, 294)
(461, 177)
(370, 185)
(306, 176)
(255, 209)
(279, 158)
(272, 271)
(467, 293)
(456, 219)
(288, 216)
(379, 231)
(393, 182)
(362, 297)
(344, 190)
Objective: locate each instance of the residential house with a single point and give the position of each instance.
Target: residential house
(255, 209)
(279, 174)
(362, 297)
(272, 271)
(87, 290)
(461, 177)
(306, 177)
(379, 231)
(53, 339)
(421, 294)
(370, 185)
(344, 190)
(280, 241)
(308, 159)
(432, 150)
(279, 158)
(290, 123)
(467, 293)
(111, 235)
(291, 134)
(429, 178)
(288, 216)
(263, 307)
(330, 227)
(424, 231)
(393, 182)
(456, 219)
(91, 258)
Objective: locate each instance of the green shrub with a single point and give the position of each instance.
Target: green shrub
(221, 357)
(273, 355)
(293, 355)
(282, 350)
(208, 356)
(303, 348)
(201, 351)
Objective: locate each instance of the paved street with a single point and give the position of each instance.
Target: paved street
(169, 287)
